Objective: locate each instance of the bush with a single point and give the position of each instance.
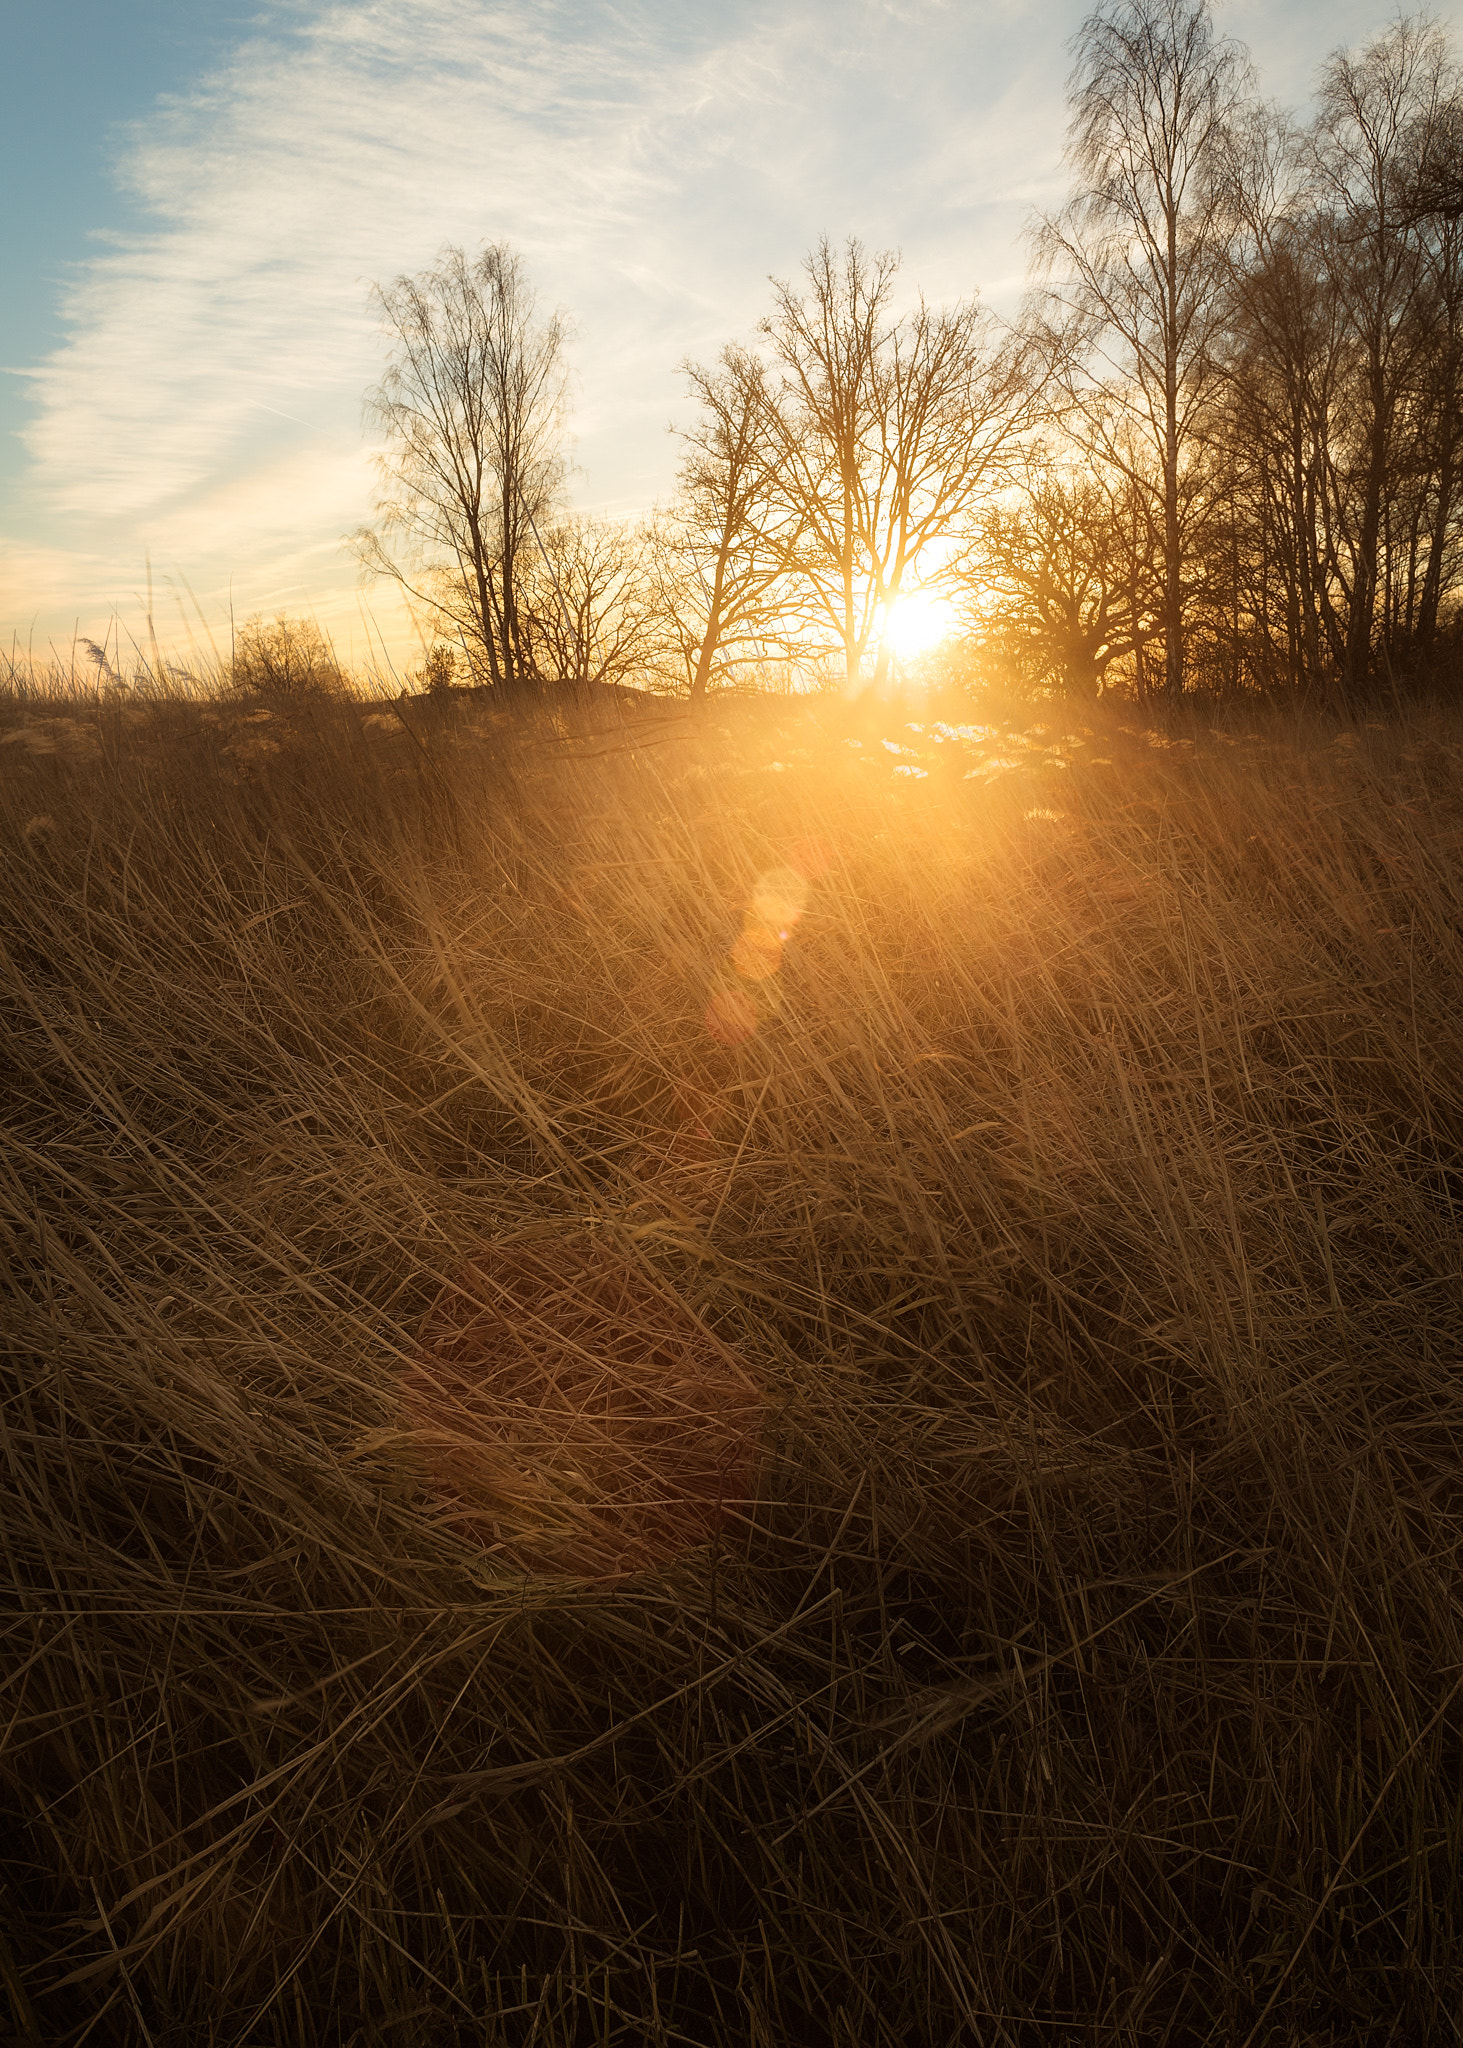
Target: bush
(288, 658)
(438, 672)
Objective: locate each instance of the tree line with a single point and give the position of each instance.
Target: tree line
(1220, 448)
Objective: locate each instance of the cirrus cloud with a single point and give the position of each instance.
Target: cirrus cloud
(653, 162)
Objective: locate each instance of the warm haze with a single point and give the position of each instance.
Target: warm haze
(731, 1058)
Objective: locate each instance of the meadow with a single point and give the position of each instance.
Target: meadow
(1075, 1173)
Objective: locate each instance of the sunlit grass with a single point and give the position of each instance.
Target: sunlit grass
(1056, 1122)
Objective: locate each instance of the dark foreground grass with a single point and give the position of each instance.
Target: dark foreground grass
(1089, 1666)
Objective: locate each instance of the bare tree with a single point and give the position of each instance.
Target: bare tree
(728, 540)
(1381, 114)
(1062, 578)
(1135, 256)
(1283, 362)
(883, 430)
(588, 605)
(286, 659)
(1439, 387)
(1342, 359)
(471, 406)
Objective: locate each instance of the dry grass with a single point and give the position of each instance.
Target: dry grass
(1088, 1664)
(575, 1419)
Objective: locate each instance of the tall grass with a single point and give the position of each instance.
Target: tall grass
(1088, 1666)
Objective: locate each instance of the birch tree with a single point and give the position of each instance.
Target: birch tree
(1135, 259)
(1378, 116)
(471, 409)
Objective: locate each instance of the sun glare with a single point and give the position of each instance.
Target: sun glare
(916, 622)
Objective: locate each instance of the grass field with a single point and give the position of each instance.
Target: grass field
(1078, 1183)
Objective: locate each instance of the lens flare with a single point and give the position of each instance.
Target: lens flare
(757, 954)
(731, 1016)
(811, 858)
(779, 898)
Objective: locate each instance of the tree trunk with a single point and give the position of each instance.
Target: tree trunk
(881, 666)
(1173, 599)
(1432, 582)
(512, 667)
(712, 637)
(1364, 575)
(850, 637)
(482, 575)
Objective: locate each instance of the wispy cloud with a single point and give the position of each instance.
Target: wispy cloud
(652, 160)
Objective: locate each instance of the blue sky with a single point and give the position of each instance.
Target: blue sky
(199, 194)
(78, 71)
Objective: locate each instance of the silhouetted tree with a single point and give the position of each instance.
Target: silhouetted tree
(284, 659)
(1136, 258)
(883, 429)
(1063, 578)
(1440, 383)
(726, 544)
(1283, 361)
(471, 407)
(588, 606)
(1374, 113)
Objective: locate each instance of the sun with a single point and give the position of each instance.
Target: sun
(916, 621)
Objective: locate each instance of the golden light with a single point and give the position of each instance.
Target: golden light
(757, 954)
(917, 621)
(779, 898)
(731, 1016)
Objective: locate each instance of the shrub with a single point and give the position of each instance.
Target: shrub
(438, 672)
(287, 658)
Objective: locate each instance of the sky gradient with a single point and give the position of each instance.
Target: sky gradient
(201, 196)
